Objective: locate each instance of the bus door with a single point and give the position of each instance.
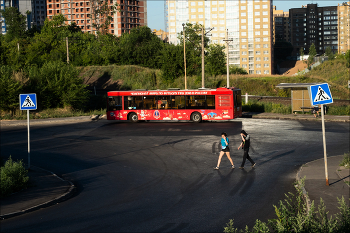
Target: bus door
(237, 103)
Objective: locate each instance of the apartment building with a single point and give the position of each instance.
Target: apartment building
(344, 27)
(35, 8)
(161, 34)
(38, 12)
(280, 25)
(132, 14)
(311, 24)
(249, 25)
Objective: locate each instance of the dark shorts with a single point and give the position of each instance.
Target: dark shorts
(227, 149)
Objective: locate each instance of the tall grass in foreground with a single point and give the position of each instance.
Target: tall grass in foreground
(346, 160)
(292, 216)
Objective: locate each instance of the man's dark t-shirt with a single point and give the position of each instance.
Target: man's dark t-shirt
(246, 144)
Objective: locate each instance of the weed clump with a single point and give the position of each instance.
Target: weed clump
(13, 177)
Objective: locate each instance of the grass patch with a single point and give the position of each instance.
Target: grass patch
(131, 77)
(339, 110)
(51, 113)
(346, 160)
(13, 177)
(256, 106)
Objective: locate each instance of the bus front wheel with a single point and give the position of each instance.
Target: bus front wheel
(133, 117)
(196, 117)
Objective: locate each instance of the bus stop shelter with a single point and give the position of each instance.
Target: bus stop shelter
(300, 99)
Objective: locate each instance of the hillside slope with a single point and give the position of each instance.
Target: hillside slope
(135, 77)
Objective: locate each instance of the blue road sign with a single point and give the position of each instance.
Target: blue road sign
(27, 101)
(320, 94)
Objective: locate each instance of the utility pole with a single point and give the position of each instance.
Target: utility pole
(67, 50)
(202, 57)
(203, 34)
(228, 68)
(183, 29)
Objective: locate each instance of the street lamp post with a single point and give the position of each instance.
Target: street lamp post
(183, 29)
(227, 52)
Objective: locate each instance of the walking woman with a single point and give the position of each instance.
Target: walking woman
(224, 149)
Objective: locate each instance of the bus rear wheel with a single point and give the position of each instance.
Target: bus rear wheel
(133, 117)
(196, 117)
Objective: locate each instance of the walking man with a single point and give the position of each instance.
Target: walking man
(245, 146)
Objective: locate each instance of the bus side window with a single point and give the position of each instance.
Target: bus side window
(149, 102)
(210, 100)
(164, 102)
(111, 104)
(115, 103)
(179, 102)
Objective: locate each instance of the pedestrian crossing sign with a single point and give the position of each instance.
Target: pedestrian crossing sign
(320, 94)
(27, 102)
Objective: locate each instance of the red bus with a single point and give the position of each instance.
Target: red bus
(175, 104)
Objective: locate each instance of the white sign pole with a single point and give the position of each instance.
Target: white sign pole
(28, 139)
(324, 145)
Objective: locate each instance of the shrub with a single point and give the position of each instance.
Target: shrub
(339, 110)
(255, 106)
(13, 177)
(293, 216)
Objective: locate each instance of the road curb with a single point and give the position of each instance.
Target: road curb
(296, 118)
(340, 176)
(298, 177)
(58, 199)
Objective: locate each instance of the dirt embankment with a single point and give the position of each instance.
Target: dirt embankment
(99, 78)
(298, 66)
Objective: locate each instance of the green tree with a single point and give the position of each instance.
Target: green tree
(50, 44)
(101, 15)
(172, 62)
(301, 54)
(15, 23)
(347, 57)
(9, 90)
(215, 60)
(193, 47)
(57, 85)
(140, 47)
(329, 53)
(312, 54)
(237, 70)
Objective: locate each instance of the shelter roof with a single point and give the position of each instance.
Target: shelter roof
(295, 85)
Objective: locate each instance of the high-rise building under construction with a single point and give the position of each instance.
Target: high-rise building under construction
(248, 23)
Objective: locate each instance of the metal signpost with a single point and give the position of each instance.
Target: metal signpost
(28, 102)
(320, 94)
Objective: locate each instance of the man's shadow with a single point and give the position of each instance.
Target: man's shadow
(244, 183)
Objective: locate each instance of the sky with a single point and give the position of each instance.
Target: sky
(155, 9)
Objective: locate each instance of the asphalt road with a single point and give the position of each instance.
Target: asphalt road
(159, 177)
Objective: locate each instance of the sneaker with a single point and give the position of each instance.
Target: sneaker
(254, 165)
(241, 167)
(233, 166)
(216, 168)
